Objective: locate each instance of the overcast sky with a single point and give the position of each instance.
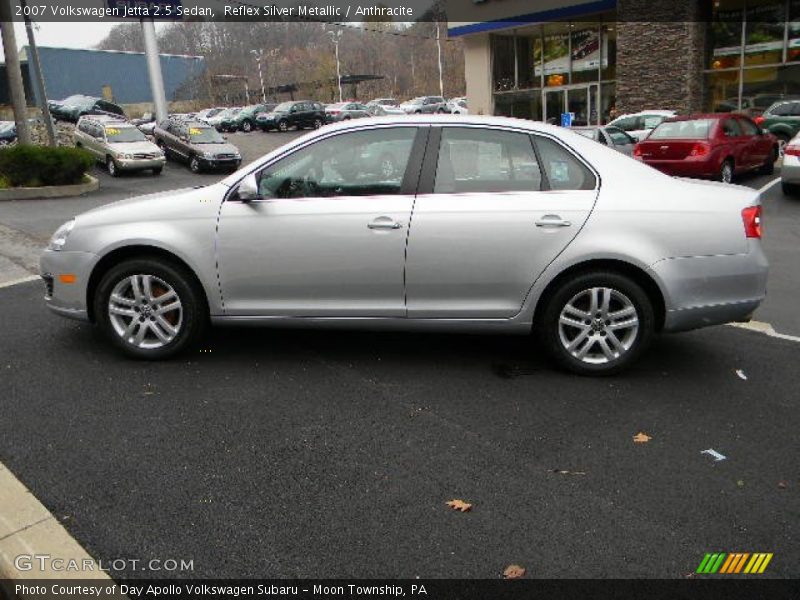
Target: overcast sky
(64, 35)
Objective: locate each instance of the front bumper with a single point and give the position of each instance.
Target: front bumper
(220, 163)
(711, 290)
(67, 299)
(135, 164)
(790, 170)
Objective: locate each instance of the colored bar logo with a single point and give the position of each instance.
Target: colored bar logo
(734, 563)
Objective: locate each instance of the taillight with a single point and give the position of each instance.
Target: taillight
(791, 150)
(637, 150)
(752, 221)
(333, 112)
(700, 150)
(759, 120)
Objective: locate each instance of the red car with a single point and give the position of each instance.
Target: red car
(716, 146)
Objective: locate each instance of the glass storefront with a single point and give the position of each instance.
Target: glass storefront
(753, 54)
(543, 71)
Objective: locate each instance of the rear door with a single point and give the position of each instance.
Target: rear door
(736, 143)
(759, 146)
(494, 209)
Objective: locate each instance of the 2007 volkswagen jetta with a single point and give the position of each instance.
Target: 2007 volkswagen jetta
(451, 223)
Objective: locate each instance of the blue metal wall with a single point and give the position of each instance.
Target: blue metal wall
(72, 71)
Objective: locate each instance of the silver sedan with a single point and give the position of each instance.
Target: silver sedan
(428, 223)
(610, 136)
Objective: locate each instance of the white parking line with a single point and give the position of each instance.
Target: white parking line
(764, 188)
(6, 284)
(766, 329)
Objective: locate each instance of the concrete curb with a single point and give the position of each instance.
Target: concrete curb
(28, 528)
(50, 191)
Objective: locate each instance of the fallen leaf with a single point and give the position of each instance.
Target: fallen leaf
(783, 484)
(741, 374)
(514, 572)
(641, 438)
(459, 505)
(740, 483)
(563, 472)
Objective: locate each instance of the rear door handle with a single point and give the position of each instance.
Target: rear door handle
(384, 223)
(552, 221)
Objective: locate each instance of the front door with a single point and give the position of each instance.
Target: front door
(496, 216)
(581, 100)
(328, 236)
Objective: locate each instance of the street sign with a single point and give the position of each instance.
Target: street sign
(567, 118)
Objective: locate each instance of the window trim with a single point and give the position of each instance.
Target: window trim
(434, 143)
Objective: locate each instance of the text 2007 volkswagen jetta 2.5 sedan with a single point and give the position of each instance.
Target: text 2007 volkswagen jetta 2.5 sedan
(450, 223)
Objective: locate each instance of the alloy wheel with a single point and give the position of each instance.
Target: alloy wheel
(317, 123)
(145, 311)
(727, 172)
(194, 165)
(283, 126)
(598, 325)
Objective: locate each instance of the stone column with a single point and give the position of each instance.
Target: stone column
(661, 51)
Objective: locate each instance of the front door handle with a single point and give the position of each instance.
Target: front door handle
(384, 223)
(553, 221)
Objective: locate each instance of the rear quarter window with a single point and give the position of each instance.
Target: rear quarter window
(563, 169)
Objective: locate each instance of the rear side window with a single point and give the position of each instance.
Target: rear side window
(730, 128)
(782, 110)
(748, 127)
(629, 123)
(619, 137)
(564, 171)
(484, 160)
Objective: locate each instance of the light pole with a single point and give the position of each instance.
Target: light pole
(258, 54)
(439, 49)
(335, 39)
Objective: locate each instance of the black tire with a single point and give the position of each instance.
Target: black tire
(317, 123)
(157, 170)
(283, 126)
(111, 167)
(247, 126)
(549, 329)
(768, 168)
(790, 189)
(194, 318)
(726, 171)
(194, 165)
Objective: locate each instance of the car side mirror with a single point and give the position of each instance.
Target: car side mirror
(248, 189)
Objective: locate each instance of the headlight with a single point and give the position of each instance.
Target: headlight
(237, 155)
(124, 156)
(208, 155)
(60, 236)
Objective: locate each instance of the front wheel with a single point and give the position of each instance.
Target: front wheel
(726, 172)
(194, 165)
(597, 323)
(150, 308)
(157, 170)
(112, 168)
(283, 126)
(247, 127)
(317, 123)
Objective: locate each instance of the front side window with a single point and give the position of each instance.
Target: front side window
(564, 171)
(619, 137)
(748, 127)
(362, 163)
(730, 128)
(485, 160)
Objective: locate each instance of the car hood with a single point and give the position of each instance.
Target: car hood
(134, 147)
(223, 148)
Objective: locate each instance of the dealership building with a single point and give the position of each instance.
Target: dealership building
(538, 60)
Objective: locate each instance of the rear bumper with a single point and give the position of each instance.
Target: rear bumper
(710, 290)
(790, 171)
(684, 168)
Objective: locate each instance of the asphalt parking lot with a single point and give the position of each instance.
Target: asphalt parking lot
(330, 454)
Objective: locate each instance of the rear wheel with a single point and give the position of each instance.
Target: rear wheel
(768, 168)
(790, 189)
(247, 126)
(726, 171)
(150, 308)
(597, 323)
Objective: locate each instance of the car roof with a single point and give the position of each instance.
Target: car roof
(712, 116)
(641, 113)
(105, 119)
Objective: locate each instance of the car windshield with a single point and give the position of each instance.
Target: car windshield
(118, 135)
(683, 130)
(283, 107)
(204, 135)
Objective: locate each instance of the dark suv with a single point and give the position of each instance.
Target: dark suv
(195, 143)
(296, 113)
(782, 120)
(77, 106)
